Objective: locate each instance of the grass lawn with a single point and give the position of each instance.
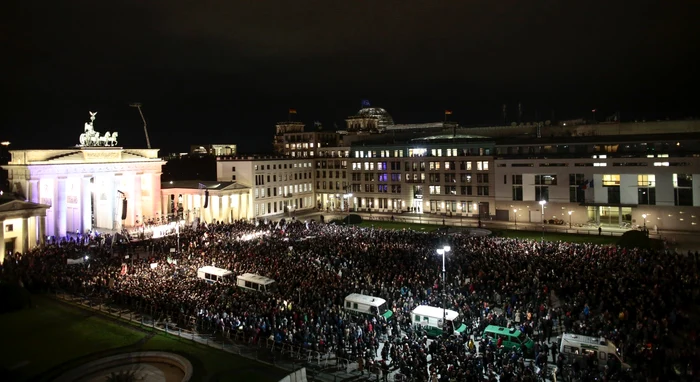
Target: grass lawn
(53, 334)
(556, 236)
(399, 225)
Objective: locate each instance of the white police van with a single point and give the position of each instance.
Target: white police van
(251, 281)
(213, 274)
(364, 304)
(576, 348)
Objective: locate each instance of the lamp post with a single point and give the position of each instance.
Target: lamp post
(542, 203)
(515, 216)
(570, 212)
(442, 251)
(644, 216)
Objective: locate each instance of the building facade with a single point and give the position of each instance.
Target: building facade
(214, 149)
(627, 174)
(205, 200)
(88, 187)
(22, 225)
(93, 186)
(651, 180)
(447, 175)
(276, 185)
(291, 140)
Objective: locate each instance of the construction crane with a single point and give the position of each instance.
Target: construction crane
(145, 130)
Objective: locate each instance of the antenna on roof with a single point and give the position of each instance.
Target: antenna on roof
(145, 130)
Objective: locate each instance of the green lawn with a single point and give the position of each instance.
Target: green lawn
(55, 336)
(552, 236)
(399, 225)
(533, 235)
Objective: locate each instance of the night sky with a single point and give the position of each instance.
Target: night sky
(213, 71)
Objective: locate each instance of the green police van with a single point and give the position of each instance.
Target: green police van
(511, 337)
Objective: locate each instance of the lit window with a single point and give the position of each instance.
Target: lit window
(611, 180)
(646, 180)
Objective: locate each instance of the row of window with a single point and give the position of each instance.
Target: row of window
(322, 174)
(260, 179)
(452, 190)
(455, 206)
(423, 152)
(279, 166)
(420, 166)
(284, 191)
(282, 206)
(646, 189)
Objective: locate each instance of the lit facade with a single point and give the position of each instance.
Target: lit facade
(331, 179)
(276, 185)
(605, 180)
(86, 187)
(22, 226)
(442, 175)
(216, 149)
(292, 141)
(207, 201)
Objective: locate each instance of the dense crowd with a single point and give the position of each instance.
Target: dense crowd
(641, 300)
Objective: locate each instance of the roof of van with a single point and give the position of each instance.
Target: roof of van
(427, 310)
(214, 270)
(252, 277)
(502, 330)
(570, 337)
(365, 299)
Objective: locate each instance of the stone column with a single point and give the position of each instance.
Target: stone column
(137, 212)
(60, 208)
(86, 204)
(156, 197)
(117, 203)
(2, 241)
(225, 208)
(25, 235)
(34, 191)
(42, 230)
(185, 207)
(240, 205)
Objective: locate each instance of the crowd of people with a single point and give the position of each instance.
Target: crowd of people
(639, 299)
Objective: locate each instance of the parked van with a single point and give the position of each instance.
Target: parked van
(576, 348)
(360, 303)
(512, 337)
(213, 274)
(430, 319)
(255, 282)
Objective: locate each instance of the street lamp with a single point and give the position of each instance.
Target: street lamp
(570, 212)
(442, 251)
(542, 203)
(644, 216)
(515, 216)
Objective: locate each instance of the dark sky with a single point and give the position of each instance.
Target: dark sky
(213, 71)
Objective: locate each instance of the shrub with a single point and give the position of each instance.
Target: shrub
(634, 239)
